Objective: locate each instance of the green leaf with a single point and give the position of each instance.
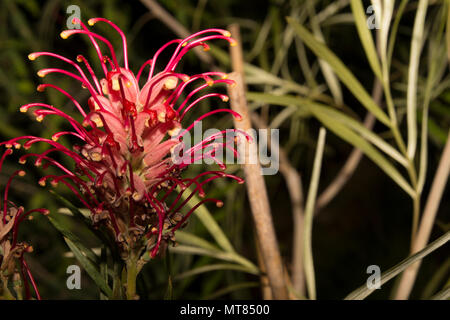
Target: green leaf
(442, 295)
(212, 267)
(221, 255)
(363, 291)
(340, 130)
(341, 71)
(209, 222)
(90, 268)
(361, 129)
(234, 287)
(366, 37)
(64, 229)
(309, 212)
(413, 73)
(190, 239)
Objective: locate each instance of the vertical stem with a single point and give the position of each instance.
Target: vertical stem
(131, 277)
(426, 224)
(255, 184)
(309, 213)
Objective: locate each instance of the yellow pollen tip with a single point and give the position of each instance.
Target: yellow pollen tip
(105, 88)
(162, 117)
(225, 98)
(226, 33)
(233, 43)
(30, 217)
(98, 122)
(32, 56)
(22, 173)
(170, 83)
(17, 145)
(225, 76)
(115, 85)
(210, 83)
(96, 156)
(174, 131)
(23, 109)
(136, 196)
(79, 59)
(64, 34)
(22, 161)
(42, 183)
(41, 74)
(219, 204)
(206, 48)
(55, 138)
(8, 146)
(39, 118)
(30, 249)
(40, 88)
(91, 22)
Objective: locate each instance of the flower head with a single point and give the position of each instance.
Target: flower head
(123, 171)
(13, 267)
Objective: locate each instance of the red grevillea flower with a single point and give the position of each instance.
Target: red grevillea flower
(123, 171)
(12, 263)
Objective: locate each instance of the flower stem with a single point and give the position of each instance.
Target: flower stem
(131, 277)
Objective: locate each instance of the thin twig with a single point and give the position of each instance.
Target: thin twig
(255, 184)
(429, 214)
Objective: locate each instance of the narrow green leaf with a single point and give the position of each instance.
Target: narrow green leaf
(90, 268)
(361, 129)
(212, 267)
(191, 239)
(442, 295)
(234, 287)
(366, 37)
(61, 227)
(413, 73)
(309, 212)
(340, 130)
(341, 71)
(221, 255)
(363, 291)
(354, 139)
(210, 223)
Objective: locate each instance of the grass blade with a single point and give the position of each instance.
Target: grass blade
(89, 267)
(341, 71)
(210, 223)
(190, 239)
(413, 73)
(364, 291)
(366, 37)
(340, 130)
(226, 256)
(234, 287)
(309, 212)
(211, 267)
